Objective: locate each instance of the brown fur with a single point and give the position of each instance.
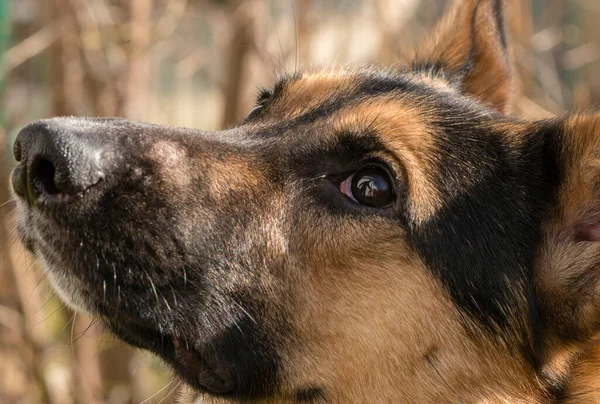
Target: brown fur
(415, 150)
(355, 309)
(472, 25)
(438, 361)
(568, 263)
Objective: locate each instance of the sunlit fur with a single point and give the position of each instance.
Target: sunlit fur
(479, 285)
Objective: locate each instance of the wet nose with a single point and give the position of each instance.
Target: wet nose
(57, 162)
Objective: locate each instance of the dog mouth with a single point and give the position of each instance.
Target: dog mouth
(192, 359)
(165, 269)
(152, 290)
(201, 367)
(207, 372)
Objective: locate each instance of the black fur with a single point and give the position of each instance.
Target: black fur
(482, 242)
(311, 395)
(198, 278)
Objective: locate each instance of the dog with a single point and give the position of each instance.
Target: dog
(363, 236)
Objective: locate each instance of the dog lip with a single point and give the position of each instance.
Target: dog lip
(199, 367)
(208, 373)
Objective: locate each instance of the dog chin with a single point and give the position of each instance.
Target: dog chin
(67, 288)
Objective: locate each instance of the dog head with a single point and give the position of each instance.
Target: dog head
(363, 235)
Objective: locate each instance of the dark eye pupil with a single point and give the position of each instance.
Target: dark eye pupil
(372, 188)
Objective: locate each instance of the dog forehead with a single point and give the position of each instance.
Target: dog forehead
(325, 102)
(369, 79)
(321, 81)
(329, 89)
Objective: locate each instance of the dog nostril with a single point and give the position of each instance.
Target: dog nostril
(43, 177)
(60, 160)
(18, 181)
(17, 150)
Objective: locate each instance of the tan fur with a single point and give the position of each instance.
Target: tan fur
(413, 334)
(376, 323)
(451, 45)
(372, 327)
(312, 90)
(224, 175)
(393, 116)
(565, 257)
(232, 175)
(370, 322)
(172, 161)
(382, 326)
(584, 384)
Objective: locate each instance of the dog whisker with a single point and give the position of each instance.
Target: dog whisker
(9, 201)
(166, 303)
(153, 288)
(171, 391)
(246, 313)
(49, 297)
(47, 317)
(174, 298)
(73, 320)
(158, 392)
(114, 277)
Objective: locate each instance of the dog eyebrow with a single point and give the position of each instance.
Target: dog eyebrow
(368, 85)
(382, 83)
(346, 151)
(285, 80)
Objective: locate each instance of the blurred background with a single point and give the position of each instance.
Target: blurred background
(199, 63)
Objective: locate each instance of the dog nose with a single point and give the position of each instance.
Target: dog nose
(57, 162)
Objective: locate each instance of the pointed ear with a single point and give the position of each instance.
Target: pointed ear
(567, 274)
(469, 49)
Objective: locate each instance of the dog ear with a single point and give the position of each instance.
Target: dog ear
(567, 274)
(469, 49)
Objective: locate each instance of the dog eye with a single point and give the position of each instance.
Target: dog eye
(371, 187)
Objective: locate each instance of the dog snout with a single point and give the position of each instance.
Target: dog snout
(57, 162)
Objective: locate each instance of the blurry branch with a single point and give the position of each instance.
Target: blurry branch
(392, 17)
(303, 31)
(29, 48)
(139, 61)
(32, 343)
(11, 319)
(66, 73)
(529, 108)
(279, 41)
(87, 383)
(590, 6)
(241, 40)
(102, 61)
(546, 39)
(188, 66)
(580, 56)
(543, 66)
(167, 25)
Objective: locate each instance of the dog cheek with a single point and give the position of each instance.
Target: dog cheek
(567, 269)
